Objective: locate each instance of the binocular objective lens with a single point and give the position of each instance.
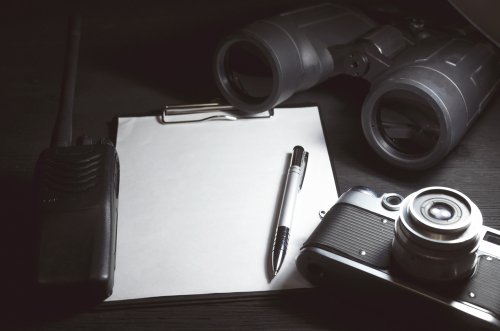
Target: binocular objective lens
(407, 123)
(248, 71)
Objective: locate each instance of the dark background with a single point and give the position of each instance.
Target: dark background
(136, 57)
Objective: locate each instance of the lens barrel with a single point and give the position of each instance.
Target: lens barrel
(437, 235)
(266, 62)
(418, 111)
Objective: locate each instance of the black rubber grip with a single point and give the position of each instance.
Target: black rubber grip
(281, 239)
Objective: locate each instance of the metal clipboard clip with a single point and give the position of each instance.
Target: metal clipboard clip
(214, 111)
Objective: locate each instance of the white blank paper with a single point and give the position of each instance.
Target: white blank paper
(199, 203)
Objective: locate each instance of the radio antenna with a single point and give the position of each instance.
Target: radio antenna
(63, 130)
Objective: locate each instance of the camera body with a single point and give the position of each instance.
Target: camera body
(430, 246)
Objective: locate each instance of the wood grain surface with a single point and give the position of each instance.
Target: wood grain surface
(137, 57)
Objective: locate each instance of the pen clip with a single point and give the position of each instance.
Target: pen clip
(305, 159)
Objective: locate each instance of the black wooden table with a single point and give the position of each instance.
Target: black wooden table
(134, 59)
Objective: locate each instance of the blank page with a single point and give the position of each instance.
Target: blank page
(199, 203)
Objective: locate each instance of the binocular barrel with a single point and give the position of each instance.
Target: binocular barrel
(419, 109)
(266, 62)
(424, 93)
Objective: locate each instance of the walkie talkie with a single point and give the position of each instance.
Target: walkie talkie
(76, 203)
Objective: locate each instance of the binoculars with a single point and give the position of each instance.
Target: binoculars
(426, 87)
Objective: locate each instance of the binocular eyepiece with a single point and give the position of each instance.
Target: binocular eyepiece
(425, 92)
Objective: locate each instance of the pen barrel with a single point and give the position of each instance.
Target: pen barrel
(292, 188)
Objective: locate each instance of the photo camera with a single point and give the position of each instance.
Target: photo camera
(426, 87)
(431, 245)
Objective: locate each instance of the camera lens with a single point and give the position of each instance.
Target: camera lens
(437, 235)
(440, 212)
(248, 71)
(407, 123)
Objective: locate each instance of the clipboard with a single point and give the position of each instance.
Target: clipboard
(215, 111)
(199, 203)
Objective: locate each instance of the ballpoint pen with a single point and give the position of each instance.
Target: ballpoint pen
(294, 180)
